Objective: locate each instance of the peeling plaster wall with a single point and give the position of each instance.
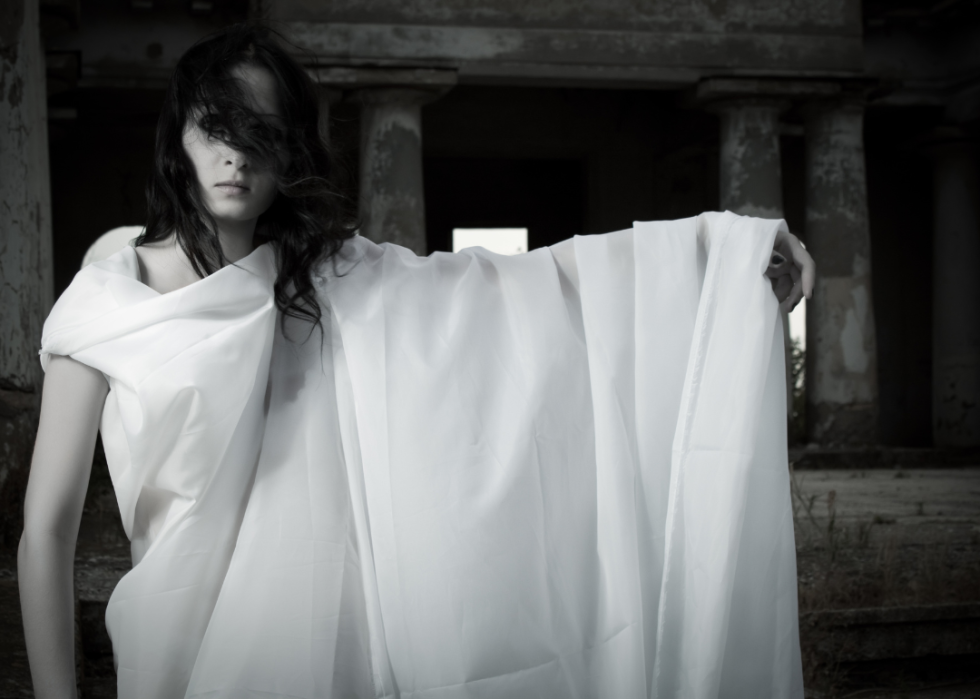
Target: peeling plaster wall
(25, 249)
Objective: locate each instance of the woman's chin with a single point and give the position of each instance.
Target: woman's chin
(234, 215)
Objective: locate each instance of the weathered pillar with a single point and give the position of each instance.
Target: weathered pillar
(751, 177)
(25, 249)
(392, 203)
(956, 292)
(842, 385)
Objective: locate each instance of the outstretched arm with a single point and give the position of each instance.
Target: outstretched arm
(71, 407)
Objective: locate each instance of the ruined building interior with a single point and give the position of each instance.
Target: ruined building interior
(850, 121)
(856, 122)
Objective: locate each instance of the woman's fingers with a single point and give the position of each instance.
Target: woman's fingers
(796, 290)
(800, 270)
(802, 261)
(796, 274)
(791, 271)
(778, 266)
(782, 286)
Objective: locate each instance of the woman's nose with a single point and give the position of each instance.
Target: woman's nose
(230, 156)
(236, 160)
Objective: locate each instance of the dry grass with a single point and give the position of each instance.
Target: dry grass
(873, 563)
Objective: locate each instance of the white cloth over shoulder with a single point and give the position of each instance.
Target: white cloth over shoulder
(560, 474)
(182, 428)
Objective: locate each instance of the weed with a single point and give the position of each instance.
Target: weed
(863, 534)
(797, 421)
(887, 567)
(934, 578)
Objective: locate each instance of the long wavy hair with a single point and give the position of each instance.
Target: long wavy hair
(310, 217)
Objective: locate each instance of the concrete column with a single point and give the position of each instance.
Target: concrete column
(956, 293)
(751, 174)
(392, 203)
(842, 384)
(25, 249)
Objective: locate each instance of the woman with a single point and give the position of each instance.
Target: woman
(366, 515)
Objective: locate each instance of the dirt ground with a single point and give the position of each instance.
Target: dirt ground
(887, 537)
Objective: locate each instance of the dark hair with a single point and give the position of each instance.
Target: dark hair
(308, 220)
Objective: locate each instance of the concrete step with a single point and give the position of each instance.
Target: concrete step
(912, 651)
(860, 635)
(811, 458)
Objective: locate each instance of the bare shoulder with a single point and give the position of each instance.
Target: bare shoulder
(164, 267)
(69, 377)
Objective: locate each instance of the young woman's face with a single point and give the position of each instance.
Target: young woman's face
(235, 189)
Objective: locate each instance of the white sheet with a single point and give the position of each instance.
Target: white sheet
(559, 474)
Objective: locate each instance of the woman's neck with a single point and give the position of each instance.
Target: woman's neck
(237, 239)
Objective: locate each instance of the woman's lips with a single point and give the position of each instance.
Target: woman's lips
(232, 188)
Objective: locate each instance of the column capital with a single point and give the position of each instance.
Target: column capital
(345, 78)
(775, 105)
(407, 96)
(843, 103)
(329, 95)
(762, 90)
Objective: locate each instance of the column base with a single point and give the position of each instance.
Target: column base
(955, 409)
(833, 424)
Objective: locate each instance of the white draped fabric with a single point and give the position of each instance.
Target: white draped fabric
(559, 474)
(182, 428)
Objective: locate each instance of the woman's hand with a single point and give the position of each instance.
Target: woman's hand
(791, 271)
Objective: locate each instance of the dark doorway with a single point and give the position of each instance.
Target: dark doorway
(545, 196)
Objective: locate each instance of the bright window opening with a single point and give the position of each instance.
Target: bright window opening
(503, 241)
(797, 323)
